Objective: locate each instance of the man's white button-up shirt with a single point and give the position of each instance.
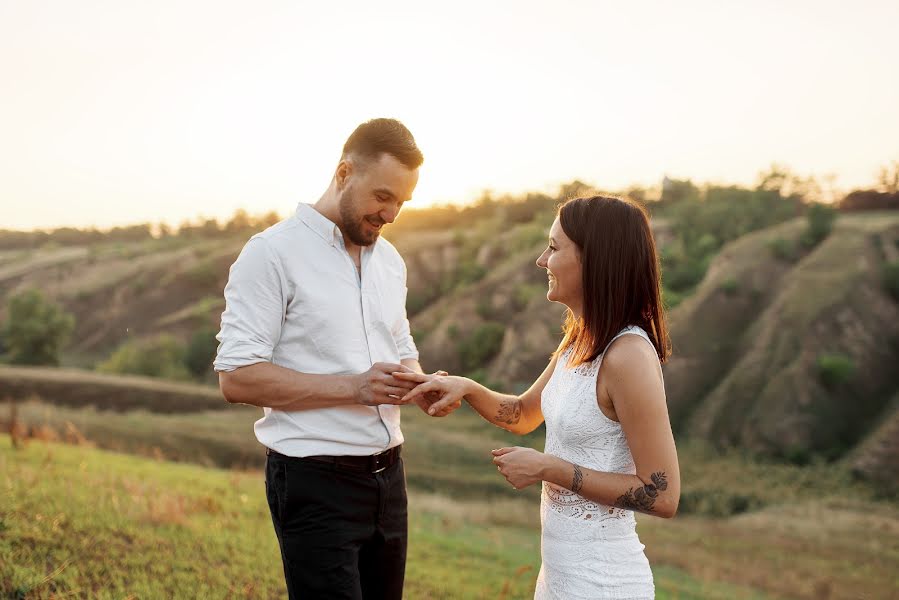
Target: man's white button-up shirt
(295, 298)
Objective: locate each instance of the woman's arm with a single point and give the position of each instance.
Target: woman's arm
(424, 401)
(631, 377)
(518, 414)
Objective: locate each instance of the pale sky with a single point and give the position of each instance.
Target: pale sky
(123, 112)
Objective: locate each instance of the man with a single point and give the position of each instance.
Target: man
(314, 326)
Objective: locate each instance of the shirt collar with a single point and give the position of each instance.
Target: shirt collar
(319, 223)
(325, 227)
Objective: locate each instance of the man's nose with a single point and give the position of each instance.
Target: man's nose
(388, 215)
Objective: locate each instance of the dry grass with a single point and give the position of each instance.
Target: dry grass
(32, 262)
(799, 546)
(814, 549)
(72, 387)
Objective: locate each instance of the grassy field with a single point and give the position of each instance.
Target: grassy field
(746, 529)
(83, 522)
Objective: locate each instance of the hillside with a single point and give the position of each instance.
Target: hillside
(119, 291)
(785, 350)
(752, 345)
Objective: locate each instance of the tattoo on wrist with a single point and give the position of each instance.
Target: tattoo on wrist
(577, 481)
(643, 499)
(509, 412)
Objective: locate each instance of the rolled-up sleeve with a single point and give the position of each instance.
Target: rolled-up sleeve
(402, 333)
(255, 305)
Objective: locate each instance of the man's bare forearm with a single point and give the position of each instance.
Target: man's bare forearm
(280, 388)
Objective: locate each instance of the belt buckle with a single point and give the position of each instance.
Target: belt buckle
(376, 461)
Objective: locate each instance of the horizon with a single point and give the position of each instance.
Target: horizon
(123, 113)
(653, 196)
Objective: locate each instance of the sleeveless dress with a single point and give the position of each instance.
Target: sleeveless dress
(589, 550)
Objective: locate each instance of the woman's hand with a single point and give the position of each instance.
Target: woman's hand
(443, 392)
(521, 466)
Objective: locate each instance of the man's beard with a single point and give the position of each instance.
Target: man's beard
(352, 225)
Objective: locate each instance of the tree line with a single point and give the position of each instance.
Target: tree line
(513, 209)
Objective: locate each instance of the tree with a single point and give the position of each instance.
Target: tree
(781, 180)
(820, 218)
(675, 191)
(888, 178)
(239, 222)
(268, 219)
(201, 352)
(35, 329)
(775, 179)
(163, 230)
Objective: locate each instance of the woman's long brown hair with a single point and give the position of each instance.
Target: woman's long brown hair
(621, 276)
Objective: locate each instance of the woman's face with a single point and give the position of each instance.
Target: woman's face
(562, 261)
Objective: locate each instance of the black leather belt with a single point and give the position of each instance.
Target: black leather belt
(374, 463)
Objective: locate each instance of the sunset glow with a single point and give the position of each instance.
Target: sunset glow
(124, 112)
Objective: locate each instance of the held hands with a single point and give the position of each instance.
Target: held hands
(520, 466)
(438, 394)
(379, 386)
(382, 384)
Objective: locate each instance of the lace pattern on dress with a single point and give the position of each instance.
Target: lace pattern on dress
(579, 432)
(589, 551)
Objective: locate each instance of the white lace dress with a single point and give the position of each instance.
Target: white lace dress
(589, 550)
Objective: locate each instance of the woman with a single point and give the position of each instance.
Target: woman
(609, 447)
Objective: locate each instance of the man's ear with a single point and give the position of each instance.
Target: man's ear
(343, 172)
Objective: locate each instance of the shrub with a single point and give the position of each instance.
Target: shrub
(671, 298)
(730, 286)
(467, 272)
(35, 329)
(820, 223)
(798, 455)
(481, 345)
(480, 375)
(200, 352)
(416, 302)
(783, 249)
(706, 244)
(891, 278)
(682, 274)
(525, 292)
(485, 308)
(205, 273)
(717, 503)
(835, 369)
(528, 236)
(207, 306)
(162, 356)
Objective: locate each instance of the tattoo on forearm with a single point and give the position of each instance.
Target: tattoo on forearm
(509, 412)
(577, 482)
(643, 498)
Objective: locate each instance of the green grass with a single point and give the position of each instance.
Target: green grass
(105, 525)
(448, 456)
(84, 522)
(463, 517)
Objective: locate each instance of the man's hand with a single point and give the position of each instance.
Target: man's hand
(378, 385)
